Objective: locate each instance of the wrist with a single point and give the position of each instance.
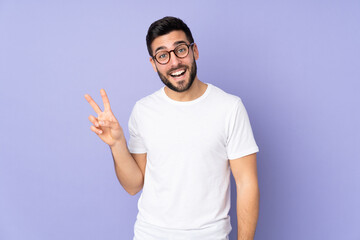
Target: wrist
(118, 144)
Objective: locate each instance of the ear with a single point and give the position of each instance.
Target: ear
(153, 64)
(196, 51)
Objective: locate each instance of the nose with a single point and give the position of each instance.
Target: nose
(174, 60)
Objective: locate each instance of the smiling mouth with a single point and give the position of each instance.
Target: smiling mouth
(178, 73)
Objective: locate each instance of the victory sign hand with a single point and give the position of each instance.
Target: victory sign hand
(106, 126)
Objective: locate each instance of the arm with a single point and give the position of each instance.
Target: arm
(129, 168)
(248, 195)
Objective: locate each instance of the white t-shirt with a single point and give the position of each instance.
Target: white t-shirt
(186, 193)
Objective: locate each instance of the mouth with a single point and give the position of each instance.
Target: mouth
(178, 74)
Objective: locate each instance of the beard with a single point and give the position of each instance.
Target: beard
(182, 85)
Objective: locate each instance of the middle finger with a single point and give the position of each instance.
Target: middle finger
(93, 104)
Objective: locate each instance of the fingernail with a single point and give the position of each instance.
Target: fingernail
(97, 124)
(101, 122)
(100, 132)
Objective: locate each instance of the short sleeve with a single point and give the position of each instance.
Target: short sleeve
(240, 139)
(136, 143)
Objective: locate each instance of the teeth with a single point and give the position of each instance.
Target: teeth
(177, 73)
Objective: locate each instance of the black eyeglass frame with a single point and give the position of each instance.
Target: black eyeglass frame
(169, 52)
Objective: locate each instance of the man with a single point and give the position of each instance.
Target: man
(184, 139)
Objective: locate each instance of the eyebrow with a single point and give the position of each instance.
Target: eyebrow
(175, 44)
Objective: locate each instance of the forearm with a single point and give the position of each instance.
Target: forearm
(247, 206)
(126, 168)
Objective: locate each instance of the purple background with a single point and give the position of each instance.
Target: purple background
(295, 64)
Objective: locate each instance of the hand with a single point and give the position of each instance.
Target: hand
(106, 126)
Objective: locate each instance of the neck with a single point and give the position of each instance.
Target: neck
(196, 90)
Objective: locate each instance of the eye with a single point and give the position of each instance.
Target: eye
(181, 49)
(162, 55)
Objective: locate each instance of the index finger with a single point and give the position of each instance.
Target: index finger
(105, 100)
(93, 103)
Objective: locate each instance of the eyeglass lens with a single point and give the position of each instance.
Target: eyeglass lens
(180, 51)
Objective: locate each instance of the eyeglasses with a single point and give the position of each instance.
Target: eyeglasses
(181, 51)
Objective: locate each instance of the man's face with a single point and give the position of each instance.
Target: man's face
(179, 73)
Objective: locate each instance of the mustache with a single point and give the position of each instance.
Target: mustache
(176, 68)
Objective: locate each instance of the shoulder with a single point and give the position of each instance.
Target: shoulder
(223, 98)
(149, 100)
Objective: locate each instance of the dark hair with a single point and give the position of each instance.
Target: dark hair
(164, 26)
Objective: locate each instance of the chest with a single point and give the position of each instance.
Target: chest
(201, 129)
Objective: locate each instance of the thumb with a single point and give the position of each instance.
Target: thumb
(107, 123)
